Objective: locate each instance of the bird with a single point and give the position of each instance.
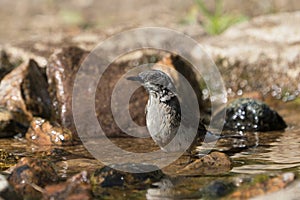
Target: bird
(163, 113)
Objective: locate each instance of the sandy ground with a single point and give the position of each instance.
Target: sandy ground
(27, 19)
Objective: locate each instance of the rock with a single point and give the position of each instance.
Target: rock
(263, 184)
(61, 72)
(42, 132)
(29, 173)
(6, 191)
(75, 188)
(110, 177)
(8, 126)
(212, 163)
(247, 114)
(260, 55)
(36, 96)
(217, 189)
(22, 96)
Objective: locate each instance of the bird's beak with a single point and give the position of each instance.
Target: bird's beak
(135, 78)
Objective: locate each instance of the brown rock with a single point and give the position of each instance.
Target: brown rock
(42, 132)
(23, 92)
(61, 72)
(75, 188)
(29, 173)
(213, 163)
(64, 65)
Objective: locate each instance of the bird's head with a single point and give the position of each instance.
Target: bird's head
(154, 81)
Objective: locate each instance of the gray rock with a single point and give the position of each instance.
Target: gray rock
(260, 55)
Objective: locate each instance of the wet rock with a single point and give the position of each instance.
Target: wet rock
(213, 163)
(62, 69)
(22, 96)
(61, 72)
(8, 126)
(6, 191)
(34, 90)
(259, 55)
(110, 177)
(29, 173)
(76, 188)
(217, 189)
(263, 184)
(247, 114)
(42, 132)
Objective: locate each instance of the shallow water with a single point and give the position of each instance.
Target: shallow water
(256, 153)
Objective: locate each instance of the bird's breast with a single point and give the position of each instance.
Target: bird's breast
(161, 122)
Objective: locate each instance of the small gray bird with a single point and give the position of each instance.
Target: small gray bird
(163, 113)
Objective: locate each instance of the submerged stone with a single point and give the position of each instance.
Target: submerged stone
(212, 163)
(42, 132)
(247, 114)
(29, 173)
(77, 187)
(217, 189)
(110, 177)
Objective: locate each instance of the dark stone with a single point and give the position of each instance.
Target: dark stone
(35, 91)
(42, 132)
(77, 187)
(247, 114)
(28, 174)
(110, 177)
(218, 189)
(8, 126)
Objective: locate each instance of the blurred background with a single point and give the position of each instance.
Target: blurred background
(27, 19)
